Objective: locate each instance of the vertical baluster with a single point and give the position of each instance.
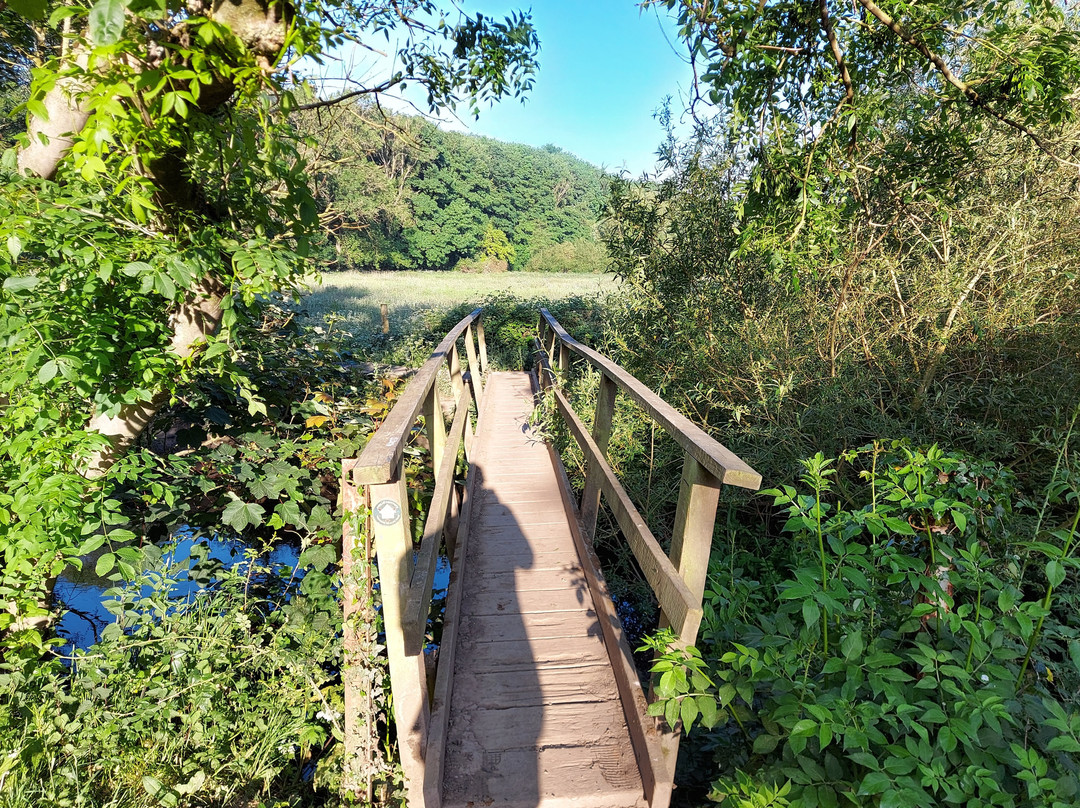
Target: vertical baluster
(394, 550)
(458, 385)
(482, 342)
(474, 367)
(601, 432)
(436, 427)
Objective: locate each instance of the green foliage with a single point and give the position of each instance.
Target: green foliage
(401, 194)
(939, 319)
(886, 669)
(580, 255)
(231, 695)
(494, 244)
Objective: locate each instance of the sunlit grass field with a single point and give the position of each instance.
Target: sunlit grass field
(353, 298)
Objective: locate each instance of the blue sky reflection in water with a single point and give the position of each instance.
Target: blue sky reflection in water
(82, 593)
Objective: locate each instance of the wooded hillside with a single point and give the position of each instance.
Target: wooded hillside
(397, 192)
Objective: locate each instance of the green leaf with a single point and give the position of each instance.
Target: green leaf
(104, 565)
(31, 9)
(765, 743)
(48, 371)
(959, 519)
(1055, 573)
(239, 515)
(811, 612)
(852, 645)
(14, 245)
(875, 783)
(107, 21)
(21, 283)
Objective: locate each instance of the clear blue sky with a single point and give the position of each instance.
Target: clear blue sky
(605, 69)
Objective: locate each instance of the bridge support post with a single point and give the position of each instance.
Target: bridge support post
(601, 433)
(691, 544)
(389, 505)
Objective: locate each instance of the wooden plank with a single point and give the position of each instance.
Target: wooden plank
(528, 654)
(382, 455)
(724, 464)
(529, 600)
(540, 626)
(598, 775)
(548, 725)
(671, 593)
(560, 573)
(657, 770)
(539, 686)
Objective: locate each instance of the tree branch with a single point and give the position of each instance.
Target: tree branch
(966, 89)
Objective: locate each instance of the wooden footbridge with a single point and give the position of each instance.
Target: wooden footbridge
(535, 700)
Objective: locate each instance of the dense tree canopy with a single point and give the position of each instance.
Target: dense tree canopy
(400, 193)
(158, 193)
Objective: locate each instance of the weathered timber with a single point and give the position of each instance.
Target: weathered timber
(728, 467)
(381, 457)
(676, 601)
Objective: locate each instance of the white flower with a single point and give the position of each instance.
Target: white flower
(984, 678)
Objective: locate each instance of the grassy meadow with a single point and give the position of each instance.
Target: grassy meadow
(353, 298)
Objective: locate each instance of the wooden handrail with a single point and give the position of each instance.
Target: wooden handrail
(406, 575)
(724, 464)
(383, 452)
(677, 579)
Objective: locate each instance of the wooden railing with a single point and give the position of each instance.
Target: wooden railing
(677, 578)
(374, 484)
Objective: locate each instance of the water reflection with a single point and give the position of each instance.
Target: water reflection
(80, 593)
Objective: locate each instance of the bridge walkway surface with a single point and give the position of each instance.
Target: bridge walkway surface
(528, 696)
(535, 713)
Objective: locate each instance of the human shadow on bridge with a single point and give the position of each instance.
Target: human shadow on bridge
(535, 714)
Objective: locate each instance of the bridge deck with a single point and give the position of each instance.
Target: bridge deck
(535, 716)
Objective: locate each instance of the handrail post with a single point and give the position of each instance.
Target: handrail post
(436, 428)
(389, 503)
(482, 342)
(474, 367)
(691, 545)
(601, 432)
(695, 518)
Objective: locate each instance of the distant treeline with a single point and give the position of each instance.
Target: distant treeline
(397, 192)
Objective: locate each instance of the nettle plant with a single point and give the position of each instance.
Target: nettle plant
(906, 660)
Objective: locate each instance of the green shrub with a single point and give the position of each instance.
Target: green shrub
(890, 667)
(225, 698)
(580, 255)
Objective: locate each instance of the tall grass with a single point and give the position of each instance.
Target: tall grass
(353, 298)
